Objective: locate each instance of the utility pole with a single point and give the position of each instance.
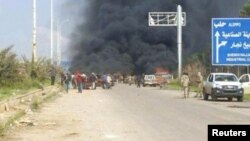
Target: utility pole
(51, 34)
(179, 39)
(34, 57)
(59, 36)
(57, 43)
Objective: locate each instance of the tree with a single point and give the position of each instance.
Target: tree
(14, 72)
(38, 70)
(9, 67)
(198, 62)
(245, 12)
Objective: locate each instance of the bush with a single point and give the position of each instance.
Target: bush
(9, 68)
(17, 74)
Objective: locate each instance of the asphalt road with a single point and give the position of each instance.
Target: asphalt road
(127, 113)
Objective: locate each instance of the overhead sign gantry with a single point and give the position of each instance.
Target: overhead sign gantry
(177, 19)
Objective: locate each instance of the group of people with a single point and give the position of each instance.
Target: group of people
(81, 81)
(138, 80)
(75, 80)
(185, 82)
(106, 81)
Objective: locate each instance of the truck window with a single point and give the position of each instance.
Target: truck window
(210, 79)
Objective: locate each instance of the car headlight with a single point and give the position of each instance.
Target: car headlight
(240, 86)
(217, 86)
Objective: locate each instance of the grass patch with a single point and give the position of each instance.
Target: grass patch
(21, 88)
(35, 105)
(49, 97)
(175, 85)
(247, 97)
(7, 125)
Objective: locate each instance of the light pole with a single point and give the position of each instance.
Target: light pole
(51, 33)
(59, 50)
(34, 33)
(179, 39)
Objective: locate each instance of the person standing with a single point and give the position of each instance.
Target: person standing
(109, 81)
(130, 80)
(53, 75)
(63, 78)
(139, 81)
(200, 85)
(104, 79)
(185, 84)
(79, 80)
(84, 81)
(74, 82)
(67, 81)
(93, 79)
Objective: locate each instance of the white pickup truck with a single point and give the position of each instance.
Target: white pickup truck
(223, 85)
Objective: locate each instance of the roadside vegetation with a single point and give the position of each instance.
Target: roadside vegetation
(247, 97)
(18, 76)
(175, 85)
(10, 121)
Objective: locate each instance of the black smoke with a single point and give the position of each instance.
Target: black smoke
(114, 36)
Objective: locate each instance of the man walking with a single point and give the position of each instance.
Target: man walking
(93, 79)
(130, 80)
(185, 84)
(53, 75)
(79, 80)
(200, 85)
(109, 81)
(139, 80)
(67, 81)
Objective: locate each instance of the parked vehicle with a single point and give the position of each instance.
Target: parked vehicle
(150, 80)
(99, 81)
(245, 81)
(223, 85)
(87, 83)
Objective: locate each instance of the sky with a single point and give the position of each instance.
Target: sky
(17, 23)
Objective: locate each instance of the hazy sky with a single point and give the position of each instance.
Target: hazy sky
(16, 26)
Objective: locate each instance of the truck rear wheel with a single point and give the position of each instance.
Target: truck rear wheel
(205, 96)
(214, 98)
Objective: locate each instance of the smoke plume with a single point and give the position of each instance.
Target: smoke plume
(114, 36)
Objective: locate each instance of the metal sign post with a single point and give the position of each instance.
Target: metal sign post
(179, 39)
(177, 19)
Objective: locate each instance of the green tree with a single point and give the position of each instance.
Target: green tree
(14, 71)
(9, 67)
(39, 70)
(198, 62)
(245, 12)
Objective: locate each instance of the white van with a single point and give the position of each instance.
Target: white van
(150, 80)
